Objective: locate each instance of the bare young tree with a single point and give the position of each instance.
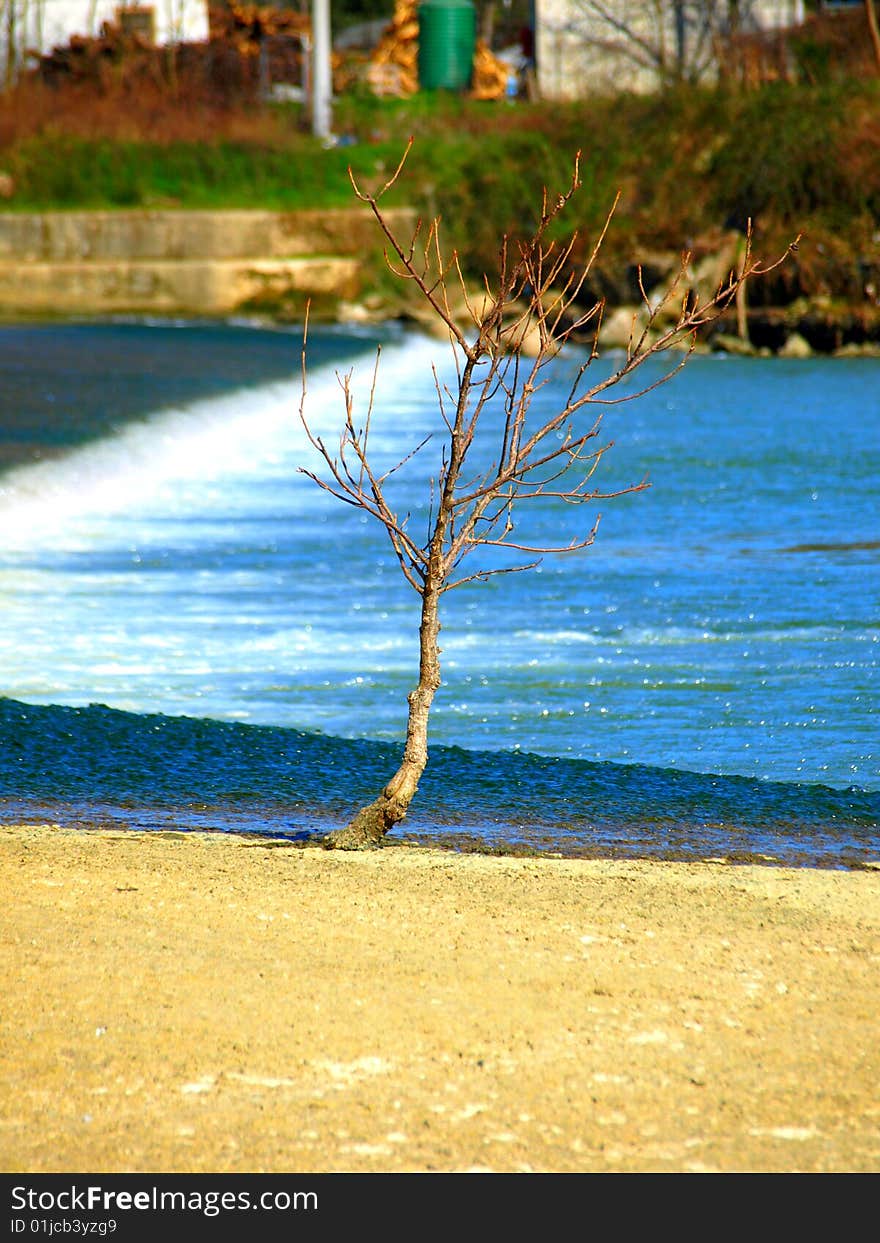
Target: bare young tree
(503, 343)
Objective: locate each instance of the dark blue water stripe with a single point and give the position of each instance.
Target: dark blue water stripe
(154, 770)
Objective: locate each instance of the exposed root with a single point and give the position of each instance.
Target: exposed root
(367, 830)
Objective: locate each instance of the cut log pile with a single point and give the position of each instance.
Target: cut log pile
(275, 38)
(247, 26)
(83, 59)
(491, 75)
(255, 31)
(394, 65)
(241, 36)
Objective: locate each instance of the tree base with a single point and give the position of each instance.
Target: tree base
(350, 839)
(368, 828)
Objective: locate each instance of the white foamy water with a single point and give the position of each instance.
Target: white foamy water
(190, 461)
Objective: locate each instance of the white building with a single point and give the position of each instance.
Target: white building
(40, 25)
(587, 47)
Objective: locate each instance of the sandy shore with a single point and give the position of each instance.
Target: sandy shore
(209, 1003)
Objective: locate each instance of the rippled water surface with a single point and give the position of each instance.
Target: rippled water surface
(703, 680)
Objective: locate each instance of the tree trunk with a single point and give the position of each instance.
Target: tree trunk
(742, 313)
(371, 823)
(874, 28)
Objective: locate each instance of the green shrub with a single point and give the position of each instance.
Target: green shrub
(780, 156)
(687, 163)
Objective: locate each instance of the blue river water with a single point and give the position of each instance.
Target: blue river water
(194, 634)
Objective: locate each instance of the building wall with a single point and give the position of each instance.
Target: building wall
(572, 44)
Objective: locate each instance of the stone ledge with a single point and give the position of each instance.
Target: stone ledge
(187, 262)
(67, 237)
(189, 286)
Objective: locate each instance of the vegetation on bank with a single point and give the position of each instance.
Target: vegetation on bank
(690, 165)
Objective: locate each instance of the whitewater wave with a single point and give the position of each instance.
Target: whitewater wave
(189, 459)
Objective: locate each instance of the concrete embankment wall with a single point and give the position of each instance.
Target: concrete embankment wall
(209, 263)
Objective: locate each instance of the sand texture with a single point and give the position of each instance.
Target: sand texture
(201, 1002)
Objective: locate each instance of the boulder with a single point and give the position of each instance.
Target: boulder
(796, 346)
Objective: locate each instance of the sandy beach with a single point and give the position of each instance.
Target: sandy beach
(210, 1003)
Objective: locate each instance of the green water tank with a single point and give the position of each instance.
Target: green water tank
(447, 34)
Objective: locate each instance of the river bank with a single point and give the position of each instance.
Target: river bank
(204, 1002)
(274, 265)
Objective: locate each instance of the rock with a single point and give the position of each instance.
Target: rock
(358, 313)
(727, 343)
(859, 349)
(796, 346)
(524, 337)
(714, 268)
(620, 327)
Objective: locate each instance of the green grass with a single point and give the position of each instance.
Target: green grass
(62, 172)
(685, 163)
